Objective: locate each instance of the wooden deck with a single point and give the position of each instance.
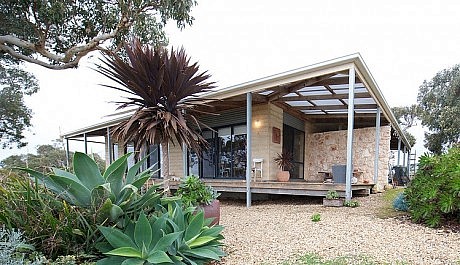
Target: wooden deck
(289, 188)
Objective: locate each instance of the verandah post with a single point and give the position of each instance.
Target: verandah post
(248, 147)
(377, 145)
(351, 111)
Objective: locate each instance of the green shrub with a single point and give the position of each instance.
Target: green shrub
(400, 203)
(316, 217)
(433, 195)
(194, 192)
(12, 248)
(332, 195)
(61, 216)
(351, 204)
(110, 195)
(176, 236)
(50, 224)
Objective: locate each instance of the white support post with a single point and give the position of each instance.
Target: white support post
(408, 163)
(377, 146)
(85, 141)
(351, 111)
(248, 147)
(404, 157)
(399, 151)
(109, 147)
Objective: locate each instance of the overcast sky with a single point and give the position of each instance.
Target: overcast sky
(402, 42)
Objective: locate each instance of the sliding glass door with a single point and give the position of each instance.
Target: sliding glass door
(225, 157)
(294, 142)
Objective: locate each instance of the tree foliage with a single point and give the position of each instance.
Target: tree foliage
(439, 104)
(407, 117)
(47, 156)
(15, 117)
(57, 34)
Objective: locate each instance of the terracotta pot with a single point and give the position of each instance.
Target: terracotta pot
(283, 176)
(212, 211)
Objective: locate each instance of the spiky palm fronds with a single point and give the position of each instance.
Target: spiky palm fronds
(163, 87)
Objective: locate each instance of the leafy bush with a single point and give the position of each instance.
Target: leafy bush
(433, 195)
(11, 245)
(400, 203)
(351, 204)
(194, 192)
(61, 216)
(114, 193)
(316, 217)
(175, 237)
(332, 195)
(81, 211)
(50, 224)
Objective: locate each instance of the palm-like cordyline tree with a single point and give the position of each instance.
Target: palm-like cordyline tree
(163, 87)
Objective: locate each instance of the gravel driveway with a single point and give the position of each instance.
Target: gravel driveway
(272, 231)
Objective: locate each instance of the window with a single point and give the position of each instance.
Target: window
(225, 157)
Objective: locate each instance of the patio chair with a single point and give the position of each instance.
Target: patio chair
(257, 166)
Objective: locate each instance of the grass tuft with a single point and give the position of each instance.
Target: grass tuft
(387, 210)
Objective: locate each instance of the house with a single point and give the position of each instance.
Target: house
(329, 114)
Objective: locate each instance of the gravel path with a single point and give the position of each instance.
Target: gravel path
(272, 231)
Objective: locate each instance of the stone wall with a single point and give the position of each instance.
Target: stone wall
(329, 148)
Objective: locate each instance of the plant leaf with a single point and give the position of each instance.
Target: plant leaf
(60, 172)
(201, 241)
(166, 241)
(143, 232)
(115, 172)
(194, 227)
(76, 190)
(133, 261)
(132, 171)
(203, 252)
(116, 238)
(158, 257)
(125, 252)
(87, 171)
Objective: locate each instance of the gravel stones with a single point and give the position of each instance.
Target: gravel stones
(270, 232)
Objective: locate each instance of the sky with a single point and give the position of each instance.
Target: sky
(402, 42)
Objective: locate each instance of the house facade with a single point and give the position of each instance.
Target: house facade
(330, 114)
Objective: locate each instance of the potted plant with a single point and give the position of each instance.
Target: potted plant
(284, 163)
(195, 193)
(332, 199)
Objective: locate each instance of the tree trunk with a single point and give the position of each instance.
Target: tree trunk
(165, 165)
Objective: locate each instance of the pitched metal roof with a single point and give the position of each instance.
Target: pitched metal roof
(318, 93)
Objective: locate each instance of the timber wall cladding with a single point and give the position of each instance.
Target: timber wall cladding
(330, 149)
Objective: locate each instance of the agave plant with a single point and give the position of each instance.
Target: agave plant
(114, 193)
(176, 237)
(163, 87)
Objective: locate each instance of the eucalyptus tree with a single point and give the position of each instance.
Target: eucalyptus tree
(439, 105)
(15, 116)
(57, 34)
(163, 87)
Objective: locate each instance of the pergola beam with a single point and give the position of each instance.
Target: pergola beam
(282, 91)
(335, 107)
(322, 97)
